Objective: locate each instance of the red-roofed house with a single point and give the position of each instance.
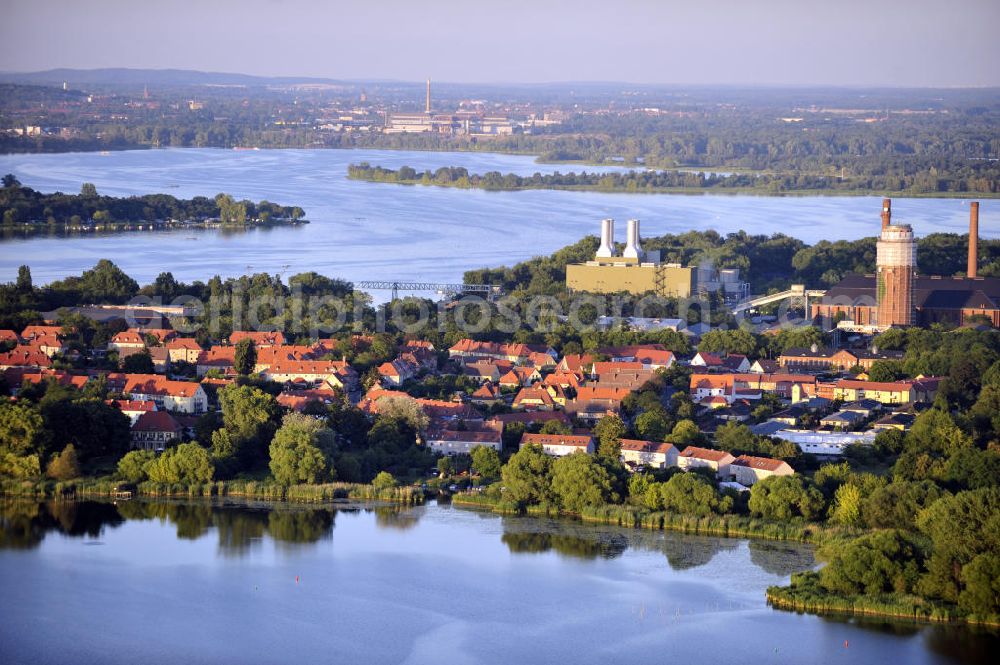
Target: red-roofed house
(132, 408)
(297, 400)
(559, 444)
(637, 453)
(162, 335)
(183, 349)
(453, 442)
(22, 356)
(15, 377)
(655, 358)
(486, 394)
(520, 376)
(31, 332)
(7, 336)
(128, 340)
(562, 379)
(336, 373)
(153, 430)
(219, 358)
(747, 469)
(704, 386)
(414, 344)
(50, 345)
(576, 363)
(594, 402)
(483, 370)
(705, 359)
(537, 399)
(717, 460)
(397, 372)
(541, 360)
(469, 349)
(181, 396)
(260, 339)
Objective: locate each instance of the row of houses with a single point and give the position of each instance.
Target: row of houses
(724, 389)
(636, 454)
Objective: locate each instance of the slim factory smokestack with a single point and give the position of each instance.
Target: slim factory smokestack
(427, 104)
(886, 212)
(973, 239)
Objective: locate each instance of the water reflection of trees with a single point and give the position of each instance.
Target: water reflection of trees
(684, 552)
(780, 558)
(397, 517)
(240, 531)
(976, 645)
(524, 538)
(300, 526)
(24, 524)
(590, 541)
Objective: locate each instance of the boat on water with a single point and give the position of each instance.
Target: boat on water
(243, 147)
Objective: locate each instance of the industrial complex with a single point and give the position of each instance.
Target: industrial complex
(471, 122)
(897, 296)
(638, 271)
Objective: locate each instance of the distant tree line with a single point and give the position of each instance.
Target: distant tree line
(980, 178)
(24, 205)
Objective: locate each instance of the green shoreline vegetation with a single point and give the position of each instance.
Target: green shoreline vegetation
(263, 490)
(23, 208)
(675, 182)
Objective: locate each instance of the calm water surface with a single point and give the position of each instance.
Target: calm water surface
(202, 583)
(365, 230)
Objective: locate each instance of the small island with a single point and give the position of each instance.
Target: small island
(671, 181)
(23, 208)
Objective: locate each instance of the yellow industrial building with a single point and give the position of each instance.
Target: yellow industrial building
(635, 271)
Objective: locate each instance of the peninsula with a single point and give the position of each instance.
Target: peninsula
(24, 208)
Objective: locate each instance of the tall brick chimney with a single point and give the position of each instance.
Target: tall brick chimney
(973, 238)
(886, 212)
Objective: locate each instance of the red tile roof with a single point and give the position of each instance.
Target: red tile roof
(640, 446)
(157, 421)
(131, 405)
(705, 454)
(31, 332)
(25, 357)
(129, 337)
(532, 395)
(590, 393)
(575, 440)
(153, 384)
(218, 356)
(187, 343)
(267, 338)
(763, 463)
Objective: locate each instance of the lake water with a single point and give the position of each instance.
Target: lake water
(161, 582)
(368, 231)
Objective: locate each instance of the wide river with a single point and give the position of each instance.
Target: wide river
(367, 231)
(148, 582)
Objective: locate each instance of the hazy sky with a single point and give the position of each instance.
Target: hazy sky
(852, 42)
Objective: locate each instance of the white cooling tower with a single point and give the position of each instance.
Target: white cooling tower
(607, 248)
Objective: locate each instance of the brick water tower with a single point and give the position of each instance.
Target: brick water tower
(895, 264)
